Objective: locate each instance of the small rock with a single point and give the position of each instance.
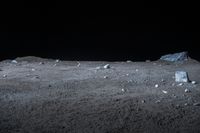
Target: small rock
(181, 76)
(186, 104)
(55, 65)
(158, 101)
(57, 60)
(4, 75)
(156, 86)
(193, 82)
(128, 61)
(78, 64)
(164, 91)
(173, 84)
(33, 69)
(181, 84)
(182, 56)
(98, 68)
(107, 66)
(127, 74)
(14, 61)
(187, 91)
(197, 104)
(143, 101)
(136, 70)
(162, 80)
(123, 90)
(41, 63)
(105, 77)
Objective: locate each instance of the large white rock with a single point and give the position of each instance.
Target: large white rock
(181, 76)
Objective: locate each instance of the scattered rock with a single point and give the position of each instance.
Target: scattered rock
(193, 82)
(186, 104)
(57, 60)
(78, 64)
(143, 101)
(128, 61)
(197, 104)
(14, 61)
(105, 77)
(165, 92)
(181, 76)
(41, 63)
(180, 84)
(156, 86)
(162, 80)
(187, 91)
(98, 67)
(4, 75)
(107, 66)
(123, 90)
(158, 101)
(182, 56)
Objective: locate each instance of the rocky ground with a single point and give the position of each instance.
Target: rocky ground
(47, 96)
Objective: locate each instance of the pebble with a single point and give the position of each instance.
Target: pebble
(107, 66)
(98, 67)
(193, 82)
(156, 86)
(105, 77)
(4, 75)
(162, 80)
(57, 60)
(143, 101)
(181, 84)
(127, 74)
(41, 63)
(14, 61)
(128, 61)
(33, 69)
(186, 104)
(123, 90)
(164, 91)
(197, 104)
(78, 65)
(187, 91)
(158, 101)
(136, 70)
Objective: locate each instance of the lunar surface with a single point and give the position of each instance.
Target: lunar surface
(52, 96)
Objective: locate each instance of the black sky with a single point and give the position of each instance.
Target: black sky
(56, 32)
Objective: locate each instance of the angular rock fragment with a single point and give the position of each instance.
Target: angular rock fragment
(107, 66)
(182, 56)
(181, 76)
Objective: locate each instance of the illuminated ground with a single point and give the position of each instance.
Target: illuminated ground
(41, 95)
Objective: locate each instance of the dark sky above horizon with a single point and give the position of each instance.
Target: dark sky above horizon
(53, 33)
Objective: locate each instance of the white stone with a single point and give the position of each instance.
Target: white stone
(156, 85)
(193, 82)
(164, 91)
(136, 70)
(187, 90)
(128, 61)
(57, 60)
(181, 84)
(4, 75)
(33, 69)
(107, 66)
(123, 90)
(181, 76)
(105, 77)
(14, 61)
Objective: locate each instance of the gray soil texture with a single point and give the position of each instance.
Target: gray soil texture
(47, 96)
